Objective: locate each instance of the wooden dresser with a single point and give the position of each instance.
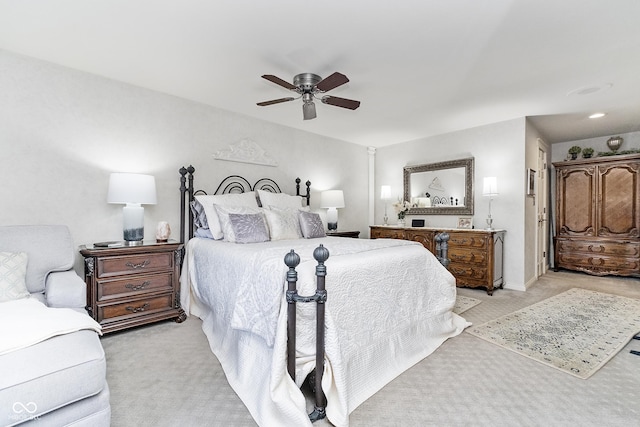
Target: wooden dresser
(598, 215)
(133, 285)
(476, 255)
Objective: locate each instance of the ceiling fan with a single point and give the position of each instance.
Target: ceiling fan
(310, 86)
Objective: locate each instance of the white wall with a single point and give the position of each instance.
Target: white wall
(498, 150)
(62, 132)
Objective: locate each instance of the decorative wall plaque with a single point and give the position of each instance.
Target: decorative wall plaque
(245, 151)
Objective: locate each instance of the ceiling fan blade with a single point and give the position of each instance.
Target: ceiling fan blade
(279, 81)
(340, 102)
(333, 81)
(274, 101)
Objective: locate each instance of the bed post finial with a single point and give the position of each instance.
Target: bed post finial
(291, 260)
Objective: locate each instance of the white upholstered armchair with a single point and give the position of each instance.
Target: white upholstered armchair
(50, 251)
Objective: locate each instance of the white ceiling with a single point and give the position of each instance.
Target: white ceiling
(419, 67)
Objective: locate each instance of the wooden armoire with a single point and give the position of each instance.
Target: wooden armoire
(598, 215)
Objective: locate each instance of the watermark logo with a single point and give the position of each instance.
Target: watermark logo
(24, 411)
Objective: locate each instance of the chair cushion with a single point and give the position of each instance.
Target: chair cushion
(52, 374)
(48, 247)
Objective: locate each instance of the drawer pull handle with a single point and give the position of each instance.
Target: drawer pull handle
(591, 247)
(143, 307)
(137, 287)
(143, 264)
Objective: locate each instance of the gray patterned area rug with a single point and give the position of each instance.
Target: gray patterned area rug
(577, 331)
(464, 303)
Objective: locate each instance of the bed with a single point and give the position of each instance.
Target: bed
(389, 305)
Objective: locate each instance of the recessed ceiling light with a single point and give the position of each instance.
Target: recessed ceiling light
(597, 115)
(588, 90)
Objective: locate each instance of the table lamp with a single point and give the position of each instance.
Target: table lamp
(133, 190)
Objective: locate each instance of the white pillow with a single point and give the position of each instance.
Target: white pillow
(207, 201)
(279, 200)
(13, 270)
(225, 222)
(283, 223)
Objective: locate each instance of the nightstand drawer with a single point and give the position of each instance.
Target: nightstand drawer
(136, 307)
(138, 264)
(134, 285)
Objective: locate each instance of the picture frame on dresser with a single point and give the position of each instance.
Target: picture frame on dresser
(465, 222)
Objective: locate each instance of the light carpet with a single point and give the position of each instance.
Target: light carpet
(577, 331)
(464, 303)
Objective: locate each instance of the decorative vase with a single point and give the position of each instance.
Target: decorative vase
(614, 143)
(400, 222)
(163, 231)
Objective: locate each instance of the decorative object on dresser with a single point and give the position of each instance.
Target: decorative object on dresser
(163, 231)
(476, 256)
(598, 215)
(401, 207)
(332, 200)
(490, 189)
(133, 190)
(132, 286)
(465, 222)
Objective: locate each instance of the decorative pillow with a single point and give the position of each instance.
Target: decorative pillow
(283, 223)
(225, 223)
(199, 215)
(279, 200)
(249, 228)
(13, 270)
(236, 199)
(311, 225)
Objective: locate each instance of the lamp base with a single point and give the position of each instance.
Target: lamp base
(489, 223)
(332, 219)
(133, 224)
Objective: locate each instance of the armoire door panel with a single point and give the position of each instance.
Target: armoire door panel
(577, 206)
(619, 201)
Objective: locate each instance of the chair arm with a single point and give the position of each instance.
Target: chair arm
(65, 289)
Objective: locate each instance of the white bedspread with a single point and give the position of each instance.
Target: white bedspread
(27, 321)
(389, 306)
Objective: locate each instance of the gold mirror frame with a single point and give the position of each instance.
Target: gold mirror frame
(467, 164)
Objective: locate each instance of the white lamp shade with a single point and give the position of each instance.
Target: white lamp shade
(490, 186)
(332, 199)
(132, 188)
(385, 192)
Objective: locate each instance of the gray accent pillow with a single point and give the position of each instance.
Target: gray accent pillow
(249, 228)
(199, 216)
(311, 225)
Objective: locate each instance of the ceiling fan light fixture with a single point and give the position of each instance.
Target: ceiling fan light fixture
(308, 110)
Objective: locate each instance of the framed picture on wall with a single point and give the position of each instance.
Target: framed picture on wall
(531, 182)
(465, 222)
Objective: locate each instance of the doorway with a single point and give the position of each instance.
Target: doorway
(542, 211)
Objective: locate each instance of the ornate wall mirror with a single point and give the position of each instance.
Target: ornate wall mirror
(444, 188)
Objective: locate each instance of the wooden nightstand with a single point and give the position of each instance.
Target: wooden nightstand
(129, 286)
(353, 234)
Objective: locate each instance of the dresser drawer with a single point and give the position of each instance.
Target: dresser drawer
(134, 285)
(465, 271)
(134, 307)
(390, 233)
(468, 241)
(465, 256)
(139, 264)
(626, 249)
(595, 262)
